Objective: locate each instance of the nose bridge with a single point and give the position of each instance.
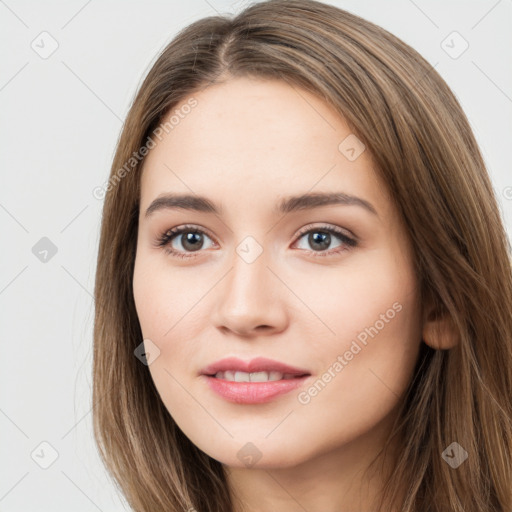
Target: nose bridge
(249, 297)
(249, 277)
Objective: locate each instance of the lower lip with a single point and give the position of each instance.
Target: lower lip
(253, 392)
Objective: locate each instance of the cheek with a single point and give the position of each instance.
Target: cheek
(366, 363)
(164, 302)
(365, 373)
(345, 301)
(370, 297)
(168, 305)
(163, 296)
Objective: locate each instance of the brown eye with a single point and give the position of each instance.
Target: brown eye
(319, 240)
(191, 241)
(183, 240)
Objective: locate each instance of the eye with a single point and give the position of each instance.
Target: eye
(320, 238)
(190, 238)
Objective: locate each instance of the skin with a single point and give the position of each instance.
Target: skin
(247, 144)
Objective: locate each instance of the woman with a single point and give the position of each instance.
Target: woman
(304, 290)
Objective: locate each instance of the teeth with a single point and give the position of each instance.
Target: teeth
(242, 377)
(229, 375)
(259, 377)
(253, 377)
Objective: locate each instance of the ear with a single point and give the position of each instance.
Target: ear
(439, 330)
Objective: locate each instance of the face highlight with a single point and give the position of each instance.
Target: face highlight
(249, 267)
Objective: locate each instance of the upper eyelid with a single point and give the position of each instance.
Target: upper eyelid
(328, 227)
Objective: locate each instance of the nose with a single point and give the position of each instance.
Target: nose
(250, 300)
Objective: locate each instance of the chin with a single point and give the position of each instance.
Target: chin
(260, 453)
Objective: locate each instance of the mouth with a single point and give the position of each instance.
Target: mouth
(257, 381)
(264, 376)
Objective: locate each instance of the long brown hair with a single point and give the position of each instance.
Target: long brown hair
(426, 153)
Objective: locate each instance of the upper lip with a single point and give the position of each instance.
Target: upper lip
(259, 364)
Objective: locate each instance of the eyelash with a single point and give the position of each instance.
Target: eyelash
(164, 240)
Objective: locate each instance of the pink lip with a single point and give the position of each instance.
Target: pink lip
(252, 392)
(259, 364)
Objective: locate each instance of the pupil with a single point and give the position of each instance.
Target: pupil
(323, 239)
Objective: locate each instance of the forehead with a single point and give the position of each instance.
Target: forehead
(243, 116)
(253, 138)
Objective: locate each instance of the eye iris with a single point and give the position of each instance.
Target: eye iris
(195, 239)
(319, 237)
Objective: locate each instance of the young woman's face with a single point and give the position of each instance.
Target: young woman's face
(327, 288)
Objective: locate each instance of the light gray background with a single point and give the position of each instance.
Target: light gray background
(61, 117)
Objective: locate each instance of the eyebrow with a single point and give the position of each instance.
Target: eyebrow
(286, 205)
